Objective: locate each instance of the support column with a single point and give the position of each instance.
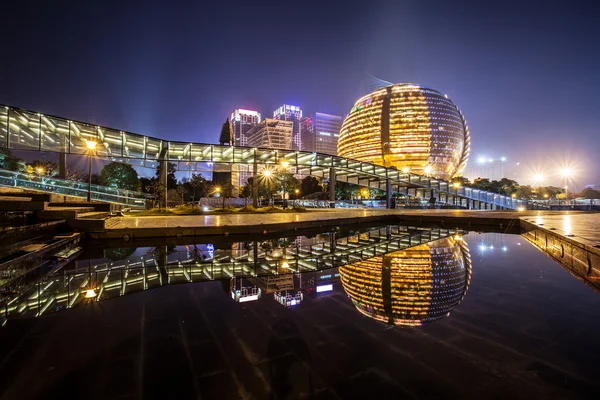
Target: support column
(162, 177)
(62, 165)
(388, 193)
(255, 185)
(332, 187)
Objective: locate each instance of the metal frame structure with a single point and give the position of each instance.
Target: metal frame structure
(27, 130)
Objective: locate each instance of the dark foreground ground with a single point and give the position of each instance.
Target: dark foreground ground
(526, 329)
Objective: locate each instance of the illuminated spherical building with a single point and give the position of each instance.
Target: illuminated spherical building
(407, 126)
(411, 287)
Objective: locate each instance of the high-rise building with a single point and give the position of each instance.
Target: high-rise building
(326, 133)
(294, 114)
(271, 134)
(307, 133)
(242, 121)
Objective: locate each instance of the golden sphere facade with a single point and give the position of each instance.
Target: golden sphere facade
(409, 127)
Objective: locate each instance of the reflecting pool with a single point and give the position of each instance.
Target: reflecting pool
(383, 312)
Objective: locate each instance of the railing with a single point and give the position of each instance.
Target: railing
(70, 288)
(72, 188)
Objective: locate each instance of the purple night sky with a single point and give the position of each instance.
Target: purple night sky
(525, 74)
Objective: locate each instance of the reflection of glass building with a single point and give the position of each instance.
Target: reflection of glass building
(410, 287)
(407, 126)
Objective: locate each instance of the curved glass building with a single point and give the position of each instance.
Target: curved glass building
(410, 287)
(410, 127)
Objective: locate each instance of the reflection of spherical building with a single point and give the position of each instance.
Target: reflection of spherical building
(407, 126)
(413, 286)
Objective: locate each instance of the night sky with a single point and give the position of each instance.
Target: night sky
(525, 74)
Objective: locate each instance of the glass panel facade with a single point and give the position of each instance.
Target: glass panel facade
(55, 134)
(134, 146)
(24, 128)
(113, 141)
(3, 126)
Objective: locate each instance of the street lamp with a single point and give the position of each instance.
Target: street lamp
(40, 170)
(566, 174)
(427, 170)
(405, 170)
(456, 187)
(284, 165)
(91, 146)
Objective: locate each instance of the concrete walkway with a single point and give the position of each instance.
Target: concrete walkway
(196, 225)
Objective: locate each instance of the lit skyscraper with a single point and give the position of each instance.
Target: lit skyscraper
(242, 121)
(326, 133)
(271, 134)
(294, 114)
(307, 133)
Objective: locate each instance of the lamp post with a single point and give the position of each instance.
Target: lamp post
(456, 187)
(284, 165)
(566, 174)
(91, 145)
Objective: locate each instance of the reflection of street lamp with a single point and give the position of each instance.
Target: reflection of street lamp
(91, 146)
(284, 165)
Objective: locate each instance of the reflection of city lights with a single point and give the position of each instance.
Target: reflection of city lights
(503, 159)
(481, 160)
(482, 248)
(504, 248)
(405, 170)
(521, 209)
(427, 170)
(90, 294)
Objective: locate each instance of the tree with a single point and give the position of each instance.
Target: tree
(9, 161)
(310, 185)
(145, 184)
(507, 186)
(524, 192)
(171, 179)
(226, 191)
(226, 136)
(76, 174)
(43, 168)
(180, 190)
(291, 183)
(590, 193)
(198, 186)
(247, 190)
(119, 175)
(461, 180)
(157, 189)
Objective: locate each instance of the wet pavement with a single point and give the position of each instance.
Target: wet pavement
(584, 227)
(191, 221)
(525, 329)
